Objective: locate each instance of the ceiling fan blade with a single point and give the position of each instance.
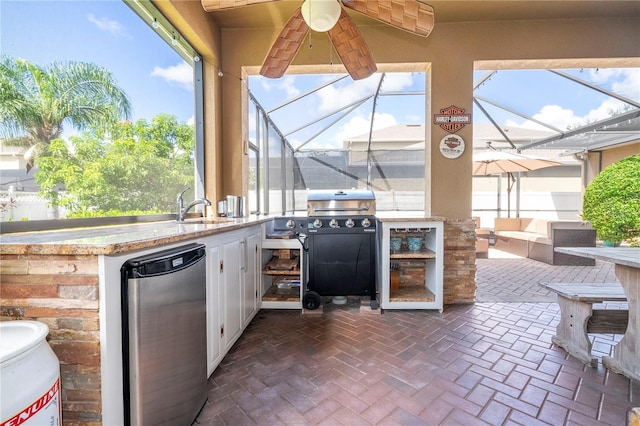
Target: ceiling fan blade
(409, 15)
(352, 48)
(285, 47)
(212, 5)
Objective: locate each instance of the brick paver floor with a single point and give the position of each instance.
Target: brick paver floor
(490, 363)
(505, 278)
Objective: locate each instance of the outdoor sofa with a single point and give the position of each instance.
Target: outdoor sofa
(537, 238)
(482, 239)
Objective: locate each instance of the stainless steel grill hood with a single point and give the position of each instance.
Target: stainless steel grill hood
(360, 202)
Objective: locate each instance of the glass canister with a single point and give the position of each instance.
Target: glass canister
(395, 243)
(414, 242)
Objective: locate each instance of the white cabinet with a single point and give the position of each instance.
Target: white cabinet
(232, 282)
(411, 275)
(251, 268)
(214, 344)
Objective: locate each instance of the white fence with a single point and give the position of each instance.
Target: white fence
(16, 206)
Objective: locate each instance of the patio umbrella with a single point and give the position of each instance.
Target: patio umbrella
(498, 162)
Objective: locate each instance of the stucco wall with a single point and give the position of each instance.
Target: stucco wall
(452, 50)
(597, 161)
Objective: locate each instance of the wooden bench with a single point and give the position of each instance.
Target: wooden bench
(577, 316)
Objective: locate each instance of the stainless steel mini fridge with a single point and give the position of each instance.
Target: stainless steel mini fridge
(164, 336)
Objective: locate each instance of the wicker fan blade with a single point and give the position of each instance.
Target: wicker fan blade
(212, 5)
(285, 47)
(351, 47)
(409, 15)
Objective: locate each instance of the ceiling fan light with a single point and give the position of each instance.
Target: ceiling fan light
(321, 15)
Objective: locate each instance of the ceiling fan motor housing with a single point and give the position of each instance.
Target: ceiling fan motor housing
(321, 15)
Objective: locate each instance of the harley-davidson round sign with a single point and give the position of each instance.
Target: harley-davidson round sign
(452, 146)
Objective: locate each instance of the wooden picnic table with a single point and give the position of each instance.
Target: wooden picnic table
(626, 354)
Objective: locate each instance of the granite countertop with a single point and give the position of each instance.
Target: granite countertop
(407, 216)
(115, 239)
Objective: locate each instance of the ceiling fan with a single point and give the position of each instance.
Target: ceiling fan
(413, 16)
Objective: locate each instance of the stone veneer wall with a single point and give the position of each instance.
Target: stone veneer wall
(62, 292)
(459, 284)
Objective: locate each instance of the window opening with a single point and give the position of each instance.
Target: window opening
(560, 115)
(328, 132)
(108, 27)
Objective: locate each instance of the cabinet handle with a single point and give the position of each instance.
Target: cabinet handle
(243, 266)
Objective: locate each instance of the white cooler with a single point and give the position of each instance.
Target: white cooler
(29, 374)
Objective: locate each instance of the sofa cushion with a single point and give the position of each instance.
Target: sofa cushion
(536, 226)
(525, 236)
(520, 235)
(536, 238)
(506, 224)
(540, 239)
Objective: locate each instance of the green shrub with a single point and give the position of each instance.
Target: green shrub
(612, 201)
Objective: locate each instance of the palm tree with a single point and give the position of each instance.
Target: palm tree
(35, 102)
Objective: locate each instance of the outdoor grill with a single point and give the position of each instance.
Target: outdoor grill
(340, 230)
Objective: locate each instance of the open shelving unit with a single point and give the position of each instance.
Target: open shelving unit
(412, 279)
(282, 262)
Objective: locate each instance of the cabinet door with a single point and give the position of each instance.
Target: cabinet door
(250, 290)
(232, 263)
(214, 350)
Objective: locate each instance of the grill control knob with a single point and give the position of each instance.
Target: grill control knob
(334, 223)
(290, 224)
(349, 223)
(317, 223)
(366, 222)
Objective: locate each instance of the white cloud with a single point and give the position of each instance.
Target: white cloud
(397, 81)
(626, 83)
(286, 84)
(181, 74)
(332, 98)
(115, 28)
(557, 116)
(564, 118)
(600, 76)
(630, 84)
(359, 125)
(191, 120)
(356, 126)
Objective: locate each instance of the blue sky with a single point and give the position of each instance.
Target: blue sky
(390, 110)
(555, 100)
(157, 80)
(107, 33)
(540, 94)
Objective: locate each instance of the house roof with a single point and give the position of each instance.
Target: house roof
(10, 150)
(482, 133)
(399, 133)
(411, 136)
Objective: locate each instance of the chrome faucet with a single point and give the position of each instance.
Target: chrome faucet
(182, 210)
